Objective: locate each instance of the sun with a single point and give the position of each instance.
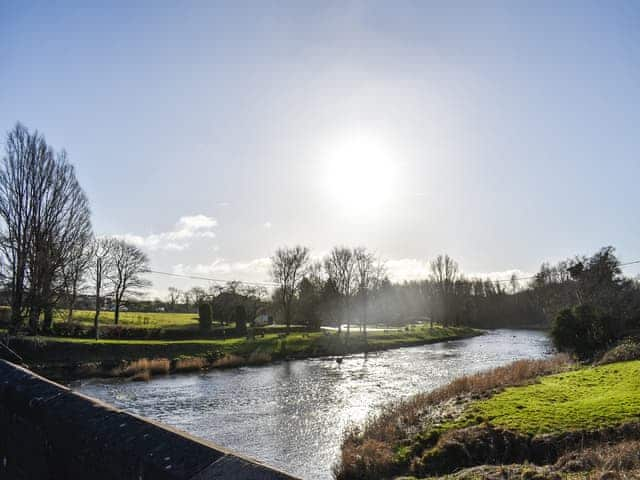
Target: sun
(360, 172)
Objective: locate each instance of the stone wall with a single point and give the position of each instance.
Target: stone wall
(48, 431)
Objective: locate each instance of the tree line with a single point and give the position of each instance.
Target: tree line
(351, 286)
(48, 251)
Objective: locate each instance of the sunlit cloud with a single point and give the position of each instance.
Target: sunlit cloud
(256, 270)
(407, 269)
(186, 229)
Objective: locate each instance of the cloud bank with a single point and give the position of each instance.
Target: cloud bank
(186, 229)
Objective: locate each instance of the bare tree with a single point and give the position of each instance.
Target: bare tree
(100, 271)
(15, 211)
(197, 294)
(45, 214)
(513, 283)
(174, 297)
(75, 270)
(129, 263)
(186, 295)
(444, 273)
(370, 272)
(340, 268)
(287, 270)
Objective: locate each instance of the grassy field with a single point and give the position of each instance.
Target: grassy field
(584, 399)
(136, 319)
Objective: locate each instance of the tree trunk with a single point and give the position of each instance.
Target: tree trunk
(72, 303)
(347, 311)
(34, 317)
(16, 300)
(117, 310)
(98, 286)
(287, 317)
(48, 318)
(364, 325)
(96, 323)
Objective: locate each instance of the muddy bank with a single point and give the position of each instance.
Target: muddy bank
(484, 444)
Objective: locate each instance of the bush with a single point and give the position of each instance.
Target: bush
(582, 330)
(205, 318)
(626, 350)
(5, 315)
(240, 318)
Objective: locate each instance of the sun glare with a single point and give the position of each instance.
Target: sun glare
(360, 173)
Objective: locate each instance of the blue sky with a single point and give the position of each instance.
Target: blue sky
(503, 133)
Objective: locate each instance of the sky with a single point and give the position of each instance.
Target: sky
(211, 133)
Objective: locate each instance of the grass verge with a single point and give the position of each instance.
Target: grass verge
(59, 357)
(585, 399)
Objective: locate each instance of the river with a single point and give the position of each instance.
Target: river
(292, 414)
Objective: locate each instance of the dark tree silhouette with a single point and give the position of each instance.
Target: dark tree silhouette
(287, 270)
(128, 264)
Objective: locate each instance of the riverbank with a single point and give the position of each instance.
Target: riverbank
(531, 419)
(72, 358)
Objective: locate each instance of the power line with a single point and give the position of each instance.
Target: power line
(271, 284)
(534, 276)
(208, 279)
(629, 263)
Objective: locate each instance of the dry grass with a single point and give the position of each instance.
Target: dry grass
(619, 457)
(400, 421)
(142, 376)
(371, 460)
(156, 366)
(228, 361)
(190, 364)
(258, 358)
(159, 366)
(135, 367)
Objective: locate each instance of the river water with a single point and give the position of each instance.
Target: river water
(292, 414)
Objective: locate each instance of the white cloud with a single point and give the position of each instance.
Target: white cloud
(186, 229)
(256, 270)
(267, 225)
(407, 269)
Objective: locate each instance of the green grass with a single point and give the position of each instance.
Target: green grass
(589, 398)
(135, 319)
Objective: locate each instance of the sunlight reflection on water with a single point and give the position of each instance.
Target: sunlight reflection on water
(292, 414)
